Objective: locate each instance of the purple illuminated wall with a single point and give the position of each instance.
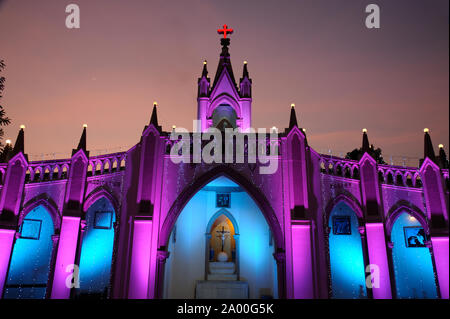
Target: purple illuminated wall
(148, 191)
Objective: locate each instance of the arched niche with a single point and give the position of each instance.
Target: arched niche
(97, 249)
(31, 257)
(223, 220)
(346, 257)
(188, 244)
(411, 258)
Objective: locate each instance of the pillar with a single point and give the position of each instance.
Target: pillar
(302, 260)
(6, 247)
(140, 257)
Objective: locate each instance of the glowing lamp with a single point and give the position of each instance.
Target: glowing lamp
(304, 130)
(84, 125)
(274, 129)
(204, 62)
(174, 127)
(245, 62)
(425, 130)
(155, 103)
(22, 127)
(8, 141)
(412, 218)
(292, 105)
(364, 130)
(441, 145)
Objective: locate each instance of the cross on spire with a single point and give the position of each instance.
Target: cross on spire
(224, 31)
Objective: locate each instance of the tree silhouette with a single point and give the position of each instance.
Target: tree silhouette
(4, 120)
(357, 153)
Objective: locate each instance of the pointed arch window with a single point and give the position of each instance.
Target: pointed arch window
(346, 254)
(97, 250)
(30, 261)
(413, 267)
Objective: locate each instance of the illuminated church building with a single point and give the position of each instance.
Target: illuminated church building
(138, 225)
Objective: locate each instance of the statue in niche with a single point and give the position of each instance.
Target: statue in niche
(223, 234)
(222, 240)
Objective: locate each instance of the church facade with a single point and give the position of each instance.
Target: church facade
(138, 224)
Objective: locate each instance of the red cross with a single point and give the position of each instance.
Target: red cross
(224, 31)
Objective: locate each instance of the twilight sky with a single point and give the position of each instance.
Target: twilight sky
(317, 54)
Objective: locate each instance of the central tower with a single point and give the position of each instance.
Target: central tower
(224, 104)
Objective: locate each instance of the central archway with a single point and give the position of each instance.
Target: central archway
(254, 194)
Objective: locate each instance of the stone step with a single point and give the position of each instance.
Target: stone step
(222, 277)
(221, 267)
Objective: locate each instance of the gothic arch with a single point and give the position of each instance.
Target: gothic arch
(221, 99)
(45, 201)
(225, 212)
(98, 193)
(189, 191)
(405, 207)
(348, 199)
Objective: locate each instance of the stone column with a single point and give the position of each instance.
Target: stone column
(280, 258)
(302, 260)
(65, 258)
(362, 232)
(55, 240)
(440, 250)
(376, 246)
(140, 257)
(7, 238)
(237, 259)
(161, 257)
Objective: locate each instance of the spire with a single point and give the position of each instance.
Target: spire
(443, 162)
(154, 118)
(224, 61)
(428, 146)
(82, 143)
(203, 82)
(245, 71)
(293, 118)
(365, 142)
(245, 83)
(205, 70)
(19, 146)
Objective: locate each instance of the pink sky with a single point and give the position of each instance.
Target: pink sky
(317, 54)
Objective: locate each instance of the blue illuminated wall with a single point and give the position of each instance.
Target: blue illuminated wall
(97, 249)
(346, 255)
(413, 268)
(30, 261)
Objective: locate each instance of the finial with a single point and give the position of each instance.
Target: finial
(22, 127)
(426, 130)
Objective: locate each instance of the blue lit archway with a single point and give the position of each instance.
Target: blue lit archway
(413, 267)
(30, 262)
(97, 250)
(346, 254)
